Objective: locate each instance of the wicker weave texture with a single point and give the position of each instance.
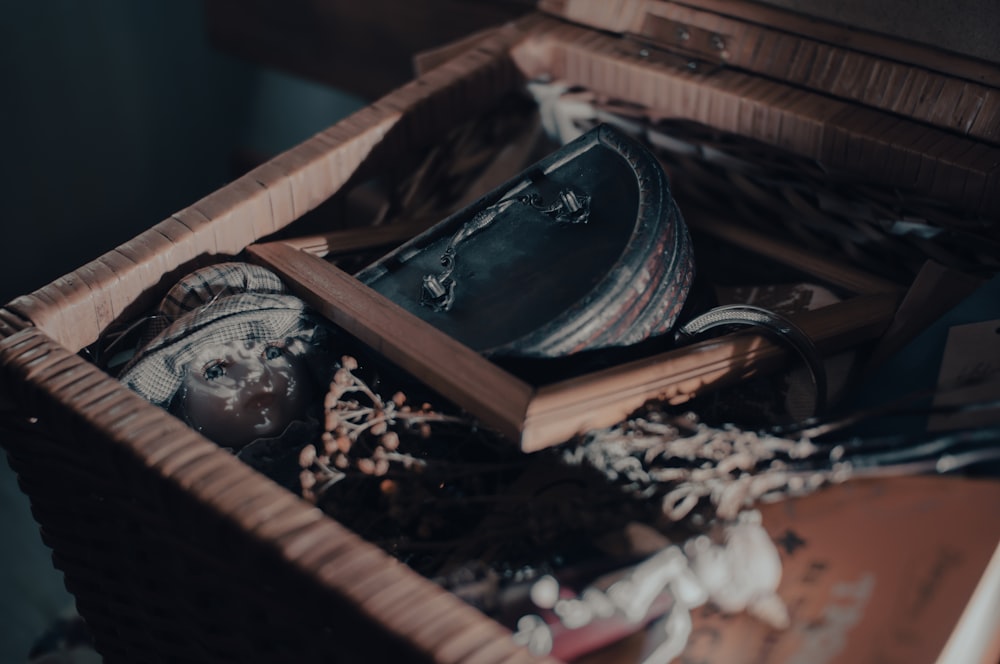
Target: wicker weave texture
(177, 552)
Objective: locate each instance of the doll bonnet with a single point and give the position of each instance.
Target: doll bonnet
(211, 306)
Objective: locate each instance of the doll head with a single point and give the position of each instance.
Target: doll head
(239, 391)
(239, 359)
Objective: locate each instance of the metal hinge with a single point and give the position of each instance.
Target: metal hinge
(679, 44)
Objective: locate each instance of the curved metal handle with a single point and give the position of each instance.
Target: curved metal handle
(746, 315)
(438, 291)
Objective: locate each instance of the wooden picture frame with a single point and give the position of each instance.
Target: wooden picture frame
(536, 417)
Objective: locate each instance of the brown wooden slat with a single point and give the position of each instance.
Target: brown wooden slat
(200, 228)
(984, 119)
(923, 94)
(357, 568)
(11, 322)
(879, 83)
(768, 123)
(465, 641)
(950, 104)
(153, 255)
(496, 651)
(853, 78)
(310, 175)
(183, 246)
(763, 56)
(786, 53)
(243, 205)
(749, 44)
(67, 374)
(127, 292)
(279, 191)
(756, 115)
(802, 67)
(67, 304)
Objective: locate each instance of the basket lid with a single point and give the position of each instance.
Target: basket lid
(913, 61)
(967, 31)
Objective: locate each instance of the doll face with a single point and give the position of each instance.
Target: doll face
(237, 392)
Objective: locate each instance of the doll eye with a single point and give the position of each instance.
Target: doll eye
(214, 370)
(273, 352)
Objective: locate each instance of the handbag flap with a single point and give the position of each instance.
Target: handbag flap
(586, 249)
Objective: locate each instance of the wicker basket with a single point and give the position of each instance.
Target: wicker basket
(176, 551)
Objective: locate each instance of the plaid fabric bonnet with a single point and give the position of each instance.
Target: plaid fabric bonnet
(215, 305)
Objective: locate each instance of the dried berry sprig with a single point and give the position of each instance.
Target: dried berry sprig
(361, 432)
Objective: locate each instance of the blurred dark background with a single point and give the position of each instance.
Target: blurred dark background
(118, 114)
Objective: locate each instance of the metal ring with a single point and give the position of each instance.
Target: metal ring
(780, 327)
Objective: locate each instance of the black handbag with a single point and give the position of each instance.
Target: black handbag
(586, 249)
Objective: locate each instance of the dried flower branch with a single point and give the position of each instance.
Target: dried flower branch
(354, 412)
(684, 461)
